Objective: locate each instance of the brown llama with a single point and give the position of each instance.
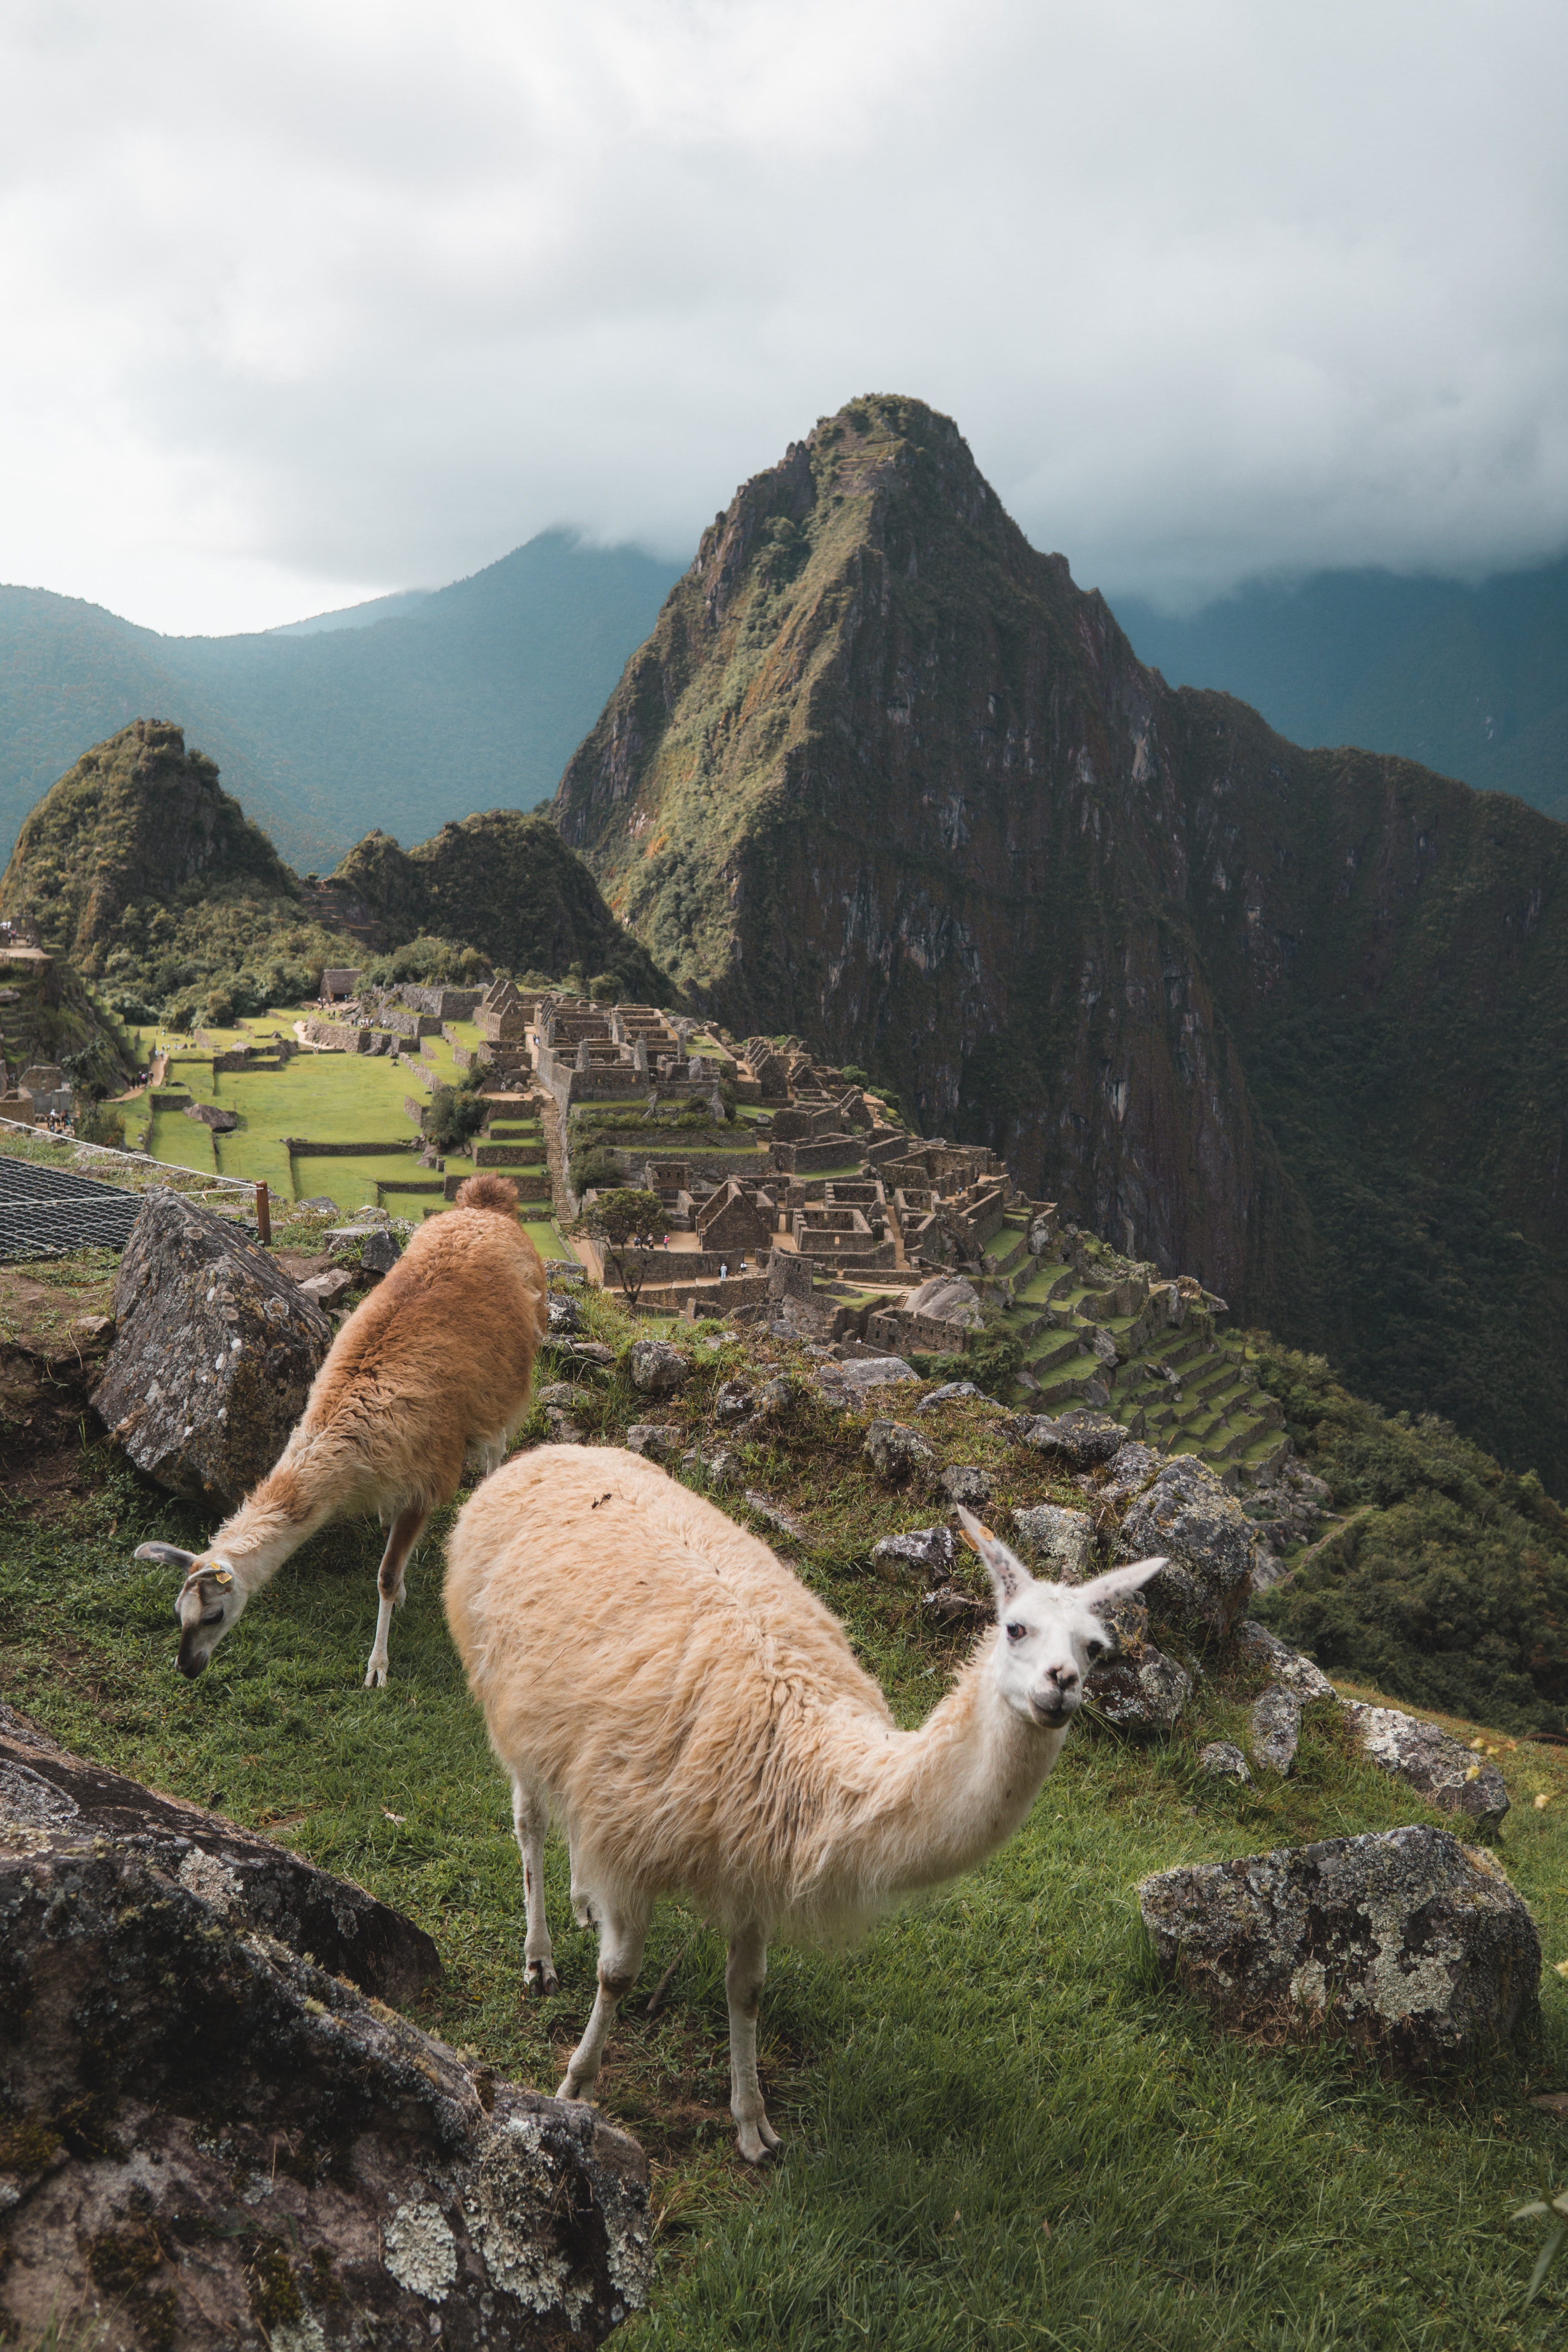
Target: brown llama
(433, 1367)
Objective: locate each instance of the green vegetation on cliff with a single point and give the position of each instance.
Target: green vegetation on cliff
(1445, 1580)
(149, 877)
(1294, 1020)
(507, 886)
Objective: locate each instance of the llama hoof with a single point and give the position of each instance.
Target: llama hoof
(758, 2140)
(375, 1676)
(564, 2090)
(540, 1977)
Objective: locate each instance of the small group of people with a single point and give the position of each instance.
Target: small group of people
(57, 1123)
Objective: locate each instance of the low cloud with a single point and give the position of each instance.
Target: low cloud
(309, 302)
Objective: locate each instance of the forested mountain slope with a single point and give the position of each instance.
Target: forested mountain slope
(1295, 1020)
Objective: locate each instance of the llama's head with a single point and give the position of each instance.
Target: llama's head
(1052, 1635)
(210, 1600)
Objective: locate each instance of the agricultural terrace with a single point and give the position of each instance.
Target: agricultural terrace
(333, 1100)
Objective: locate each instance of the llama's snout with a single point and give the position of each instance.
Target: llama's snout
(1057, 1695)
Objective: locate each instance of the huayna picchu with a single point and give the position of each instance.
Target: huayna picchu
(1297, 1021)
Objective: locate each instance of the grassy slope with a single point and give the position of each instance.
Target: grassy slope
(999, 2127)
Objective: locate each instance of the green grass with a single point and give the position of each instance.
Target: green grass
(999, 2127)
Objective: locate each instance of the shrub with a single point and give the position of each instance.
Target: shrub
(102, 1122)
(219, 1011)
(453, 1116)
(595, 1169)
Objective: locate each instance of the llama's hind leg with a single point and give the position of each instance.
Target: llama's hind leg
(529, 1820)
(400, 1542)
(744, 1979)
(622, 1932)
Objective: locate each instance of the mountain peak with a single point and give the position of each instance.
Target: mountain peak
(139, 817)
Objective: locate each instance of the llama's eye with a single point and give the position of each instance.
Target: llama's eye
(1095, 1648)
(1016, 1632)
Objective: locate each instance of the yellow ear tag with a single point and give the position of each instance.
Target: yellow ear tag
(969, 1539)
(221, 1576)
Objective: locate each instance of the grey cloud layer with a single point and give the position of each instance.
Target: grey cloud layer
(325, 299)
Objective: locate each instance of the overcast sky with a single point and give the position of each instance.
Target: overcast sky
(306, 300)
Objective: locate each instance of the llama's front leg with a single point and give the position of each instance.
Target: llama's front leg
(622, 1935)
(400, 1542)
(744, 1979)
(529, 1819)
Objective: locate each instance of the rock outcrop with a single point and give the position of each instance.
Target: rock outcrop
(208, 2140)
(254, 1884)
(1431, 1761)
(1406, 1941)
(1209, 1543)
(1056, 1543)
(214, 1353)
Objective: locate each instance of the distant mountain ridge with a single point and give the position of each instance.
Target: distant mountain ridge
(464, 698)
(1295, 1020)
(1472, 681)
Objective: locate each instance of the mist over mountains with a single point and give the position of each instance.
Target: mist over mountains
(1472, 681)
(401, 713)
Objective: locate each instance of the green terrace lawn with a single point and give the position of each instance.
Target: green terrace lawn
(999, 2127)
(334, 1099)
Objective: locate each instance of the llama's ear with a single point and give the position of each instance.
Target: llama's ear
(167, 1555)
(1005, 1569)
(1101, 1592)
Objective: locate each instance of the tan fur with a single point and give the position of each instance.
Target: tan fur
(696, 1717)
(435, 1362)
(696, 1720)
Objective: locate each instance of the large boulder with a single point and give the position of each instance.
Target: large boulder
(1080, 1440)
(895, 1451)
(222, 1122)
(1405, 1941)
(1210, 1545)
(1432, 1760)
(1256, 1646)
(249, 1881)
(1274, 1727)
(657, 1367)
(1142, 1691)
(215, 2141)
(1056, 1543)
(215, 1351)
(931, 1548)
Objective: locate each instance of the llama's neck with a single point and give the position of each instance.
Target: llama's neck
(951, 1793)
(272, 1522)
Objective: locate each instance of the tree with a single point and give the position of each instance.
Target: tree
(615, 1219)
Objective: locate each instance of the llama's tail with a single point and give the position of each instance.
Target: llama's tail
(496, 1193)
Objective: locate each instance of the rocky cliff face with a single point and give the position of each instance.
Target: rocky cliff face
(1296, 1021)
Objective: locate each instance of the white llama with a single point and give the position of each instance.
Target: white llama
(696, 1720)
(432, 1368)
